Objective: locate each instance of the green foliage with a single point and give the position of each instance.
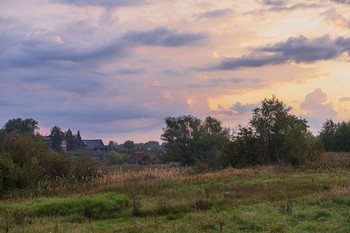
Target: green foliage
(21, 126)
(55, 165)
(189, 139)
(74, 142)
(244, 150)
(79, 141)
(24, 153)
(336, 136)
(129, 146)
(98, 206)
(327, 135)
(303, 199)
(315, 147)
(84, 169)
(113, 145)
(281, 135)
(115, 158)
(8, 172)
(70, 139)
(342, 137)
(146, 158)
(273, 136)
(25, 160)
(56, 136)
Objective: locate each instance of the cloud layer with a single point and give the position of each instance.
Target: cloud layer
(116, 68)
(295, 49)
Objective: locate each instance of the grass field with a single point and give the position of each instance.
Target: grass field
(311, 198)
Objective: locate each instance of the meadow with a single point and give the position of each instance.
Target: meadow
(314, 197)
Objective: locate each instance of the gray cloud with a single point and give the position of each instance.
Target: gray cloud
(215, 13)
(105, 3)
(226, 80)
(295, 49)
(275, 3)
(173, 72)
(162, 37)
(237, 108)
(131, 71)
(243, 108)
(341, 1)
(40, 50)
(293, 7)
(61, 79)
(285, 5)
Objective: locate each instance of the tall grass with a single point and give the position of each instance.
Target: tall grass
(157, 197)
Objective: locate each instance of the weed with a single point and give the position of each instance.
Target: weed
(286, 207)
(136, 208)
(202, 204)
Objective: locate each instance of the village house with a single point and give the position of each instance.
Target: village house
(96, 145)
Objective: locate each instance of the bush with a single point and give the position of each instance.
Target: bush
(8, 172)
(115, 158)
(26, 159)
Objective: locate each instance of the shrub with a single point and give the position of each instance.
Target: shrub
(115, 158)
(8, 172)
(26, 159)
(83, 168)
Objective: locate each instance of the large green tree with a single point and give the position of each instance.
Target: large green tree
(21, 126)
(129, 146)
(273, 135)
(56, 137)
(336, 136)
(73, 141)
(282, 136)
(190, 140)
(342, 137)
(327, 135)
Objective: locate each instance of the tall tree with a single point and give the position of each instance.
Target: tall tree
(182, 137)
(327, 135)
(21, 126)
(282, 136)
(80, 143)
(190, 140)
(129, 146)
(113, 145)
(71, 140)
(56, 137)
(342, 137)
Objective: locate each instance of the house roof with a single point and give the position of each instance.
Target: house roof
(46, 138)
(93, 144)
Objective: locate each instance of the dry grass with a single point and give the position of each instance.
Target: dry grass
(160, 195)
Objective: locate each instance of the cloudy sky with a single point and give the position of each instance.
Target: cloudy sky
(114, 69)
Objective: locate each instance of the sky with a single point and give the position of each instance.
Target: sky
(115, 69)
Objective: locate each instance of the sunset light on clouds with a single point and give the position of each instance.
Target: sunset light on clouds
(114, 69)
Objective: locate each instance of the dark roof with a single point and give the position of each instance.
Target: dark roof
(46, 138)
(93, 144)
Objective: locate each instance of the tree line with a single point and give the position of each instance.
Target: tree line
(272, 136)
(336, 136)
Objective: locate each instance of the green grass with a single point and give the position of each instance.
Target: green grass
(311, 198)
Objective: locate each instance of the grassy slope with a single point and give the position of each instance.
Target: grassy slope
(312, 198)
